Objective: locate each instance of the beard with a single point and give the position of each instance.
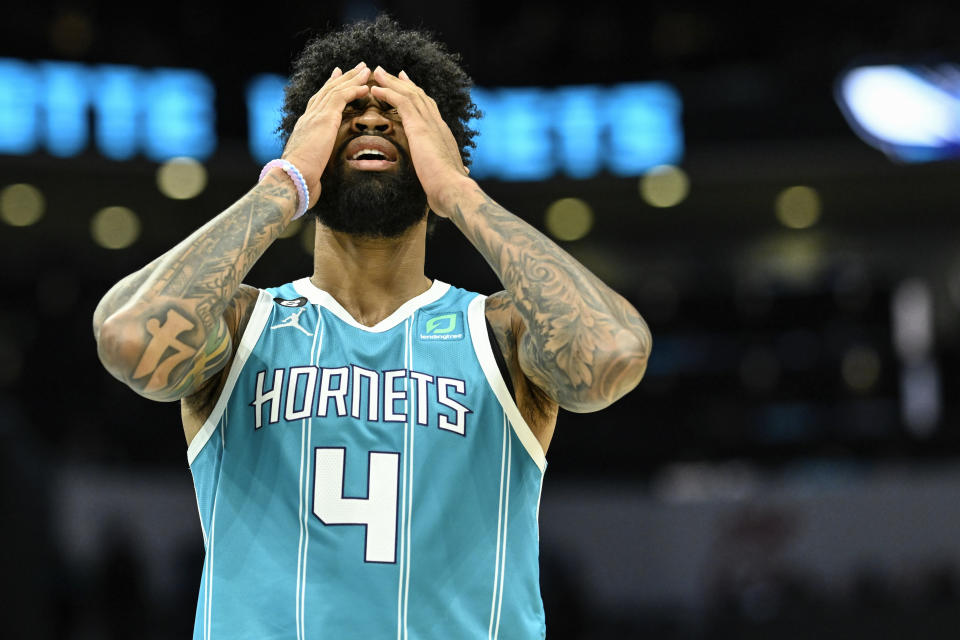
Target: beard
(373, 204)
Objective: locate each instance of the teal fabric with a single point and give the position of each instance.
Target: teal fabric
(364, 483)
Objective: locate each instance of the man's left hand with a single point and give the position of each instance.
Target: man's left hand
(433, 149)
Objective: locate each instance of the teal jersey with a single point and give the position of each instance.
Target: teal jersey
(367, 482)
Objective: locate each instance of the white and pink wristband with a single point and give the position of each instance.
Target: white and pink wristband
(303, 192)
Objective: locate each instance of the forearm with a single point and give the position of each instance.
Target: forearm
(583, 343)
(204, 271)
(178, 300)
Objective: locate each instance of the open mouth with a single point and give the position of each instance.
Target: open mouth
(370, 153)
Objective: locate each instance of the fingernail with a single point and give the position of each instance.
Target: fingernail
(335, 71)
(361, 64)
(403, 74)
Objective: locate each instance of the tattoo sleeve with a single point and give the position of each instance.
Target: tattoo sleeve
(168, 328)
(582, 343)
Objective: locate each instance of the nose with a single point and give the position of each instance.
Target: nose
(371, 120)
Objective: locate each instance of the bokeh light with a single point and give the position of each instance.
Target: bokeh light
(798, 207)
(181, 178)
(664, 186)
(115, 227)
(796, 258)
(21, 205)
(569, 219)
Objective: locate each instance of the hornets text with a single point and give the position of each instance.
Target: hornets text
(297, 393)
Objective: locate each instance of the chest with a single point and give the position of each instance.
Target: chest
(308, 363)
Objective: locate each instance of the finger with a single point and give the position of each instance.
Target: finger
(426, 109)
(404, 76)
(351, 93)
(336, 73)
(356, 76)
(353, 75)
(400, 79)
(408, 102)
(387, 79)
(403, 85)
(337, 99)
(401, 101)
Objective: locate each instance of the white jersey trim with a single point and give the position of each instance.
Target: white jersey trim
(476, 319)
(315, 295)
(259, 317)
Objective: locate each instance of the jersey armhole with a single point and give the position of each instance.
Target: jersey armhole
(485, 352)
(498, 356)
(258, 318)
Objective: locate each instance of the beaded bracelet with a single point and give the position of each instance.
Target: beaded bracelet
(303, 192)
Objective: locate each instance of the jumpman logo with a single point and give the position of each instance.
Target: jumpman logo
(292, 320)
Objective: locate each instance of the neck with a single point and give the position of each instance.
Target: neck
(370, 277)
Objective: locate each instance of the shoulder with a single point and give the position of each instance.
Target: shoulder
(501, 313)
(505, 322)
(241, 307)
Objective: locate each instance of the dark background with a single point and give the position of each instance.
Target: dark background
(740, 470)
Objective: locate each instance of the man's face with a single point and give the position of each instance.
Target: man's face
(369, 187)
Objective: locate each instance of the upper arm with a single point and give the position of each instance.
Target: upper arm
(510, 330)
(538, 409)
(581, 358)
(235, 318)
(196, 406)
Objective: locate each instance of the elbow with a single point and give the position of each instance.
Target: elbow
(633, 352)
(623, 369)
(117, 346)
(630, 353)
(618, 372)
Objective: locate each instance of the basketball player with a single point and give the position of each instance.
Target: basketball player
(367, 455)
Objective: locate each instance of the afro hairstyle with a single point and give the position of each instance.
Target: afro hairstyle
(383, 42)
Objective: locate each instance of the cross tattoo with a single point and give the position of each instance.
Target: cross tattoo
(164, 337)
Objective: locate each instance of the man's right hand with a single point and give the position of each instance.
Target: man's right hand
(311, 142)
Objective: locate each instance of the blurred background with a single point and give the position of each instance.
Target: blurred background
(771, 185)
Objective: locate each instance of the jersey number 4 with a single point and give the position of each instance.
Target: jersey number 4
(377, 512)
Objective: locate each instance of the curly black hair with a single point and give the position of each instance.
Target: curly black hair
(383, 42)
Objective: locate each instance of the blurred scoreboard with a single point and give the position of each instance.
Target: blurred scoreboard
(529, 134)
